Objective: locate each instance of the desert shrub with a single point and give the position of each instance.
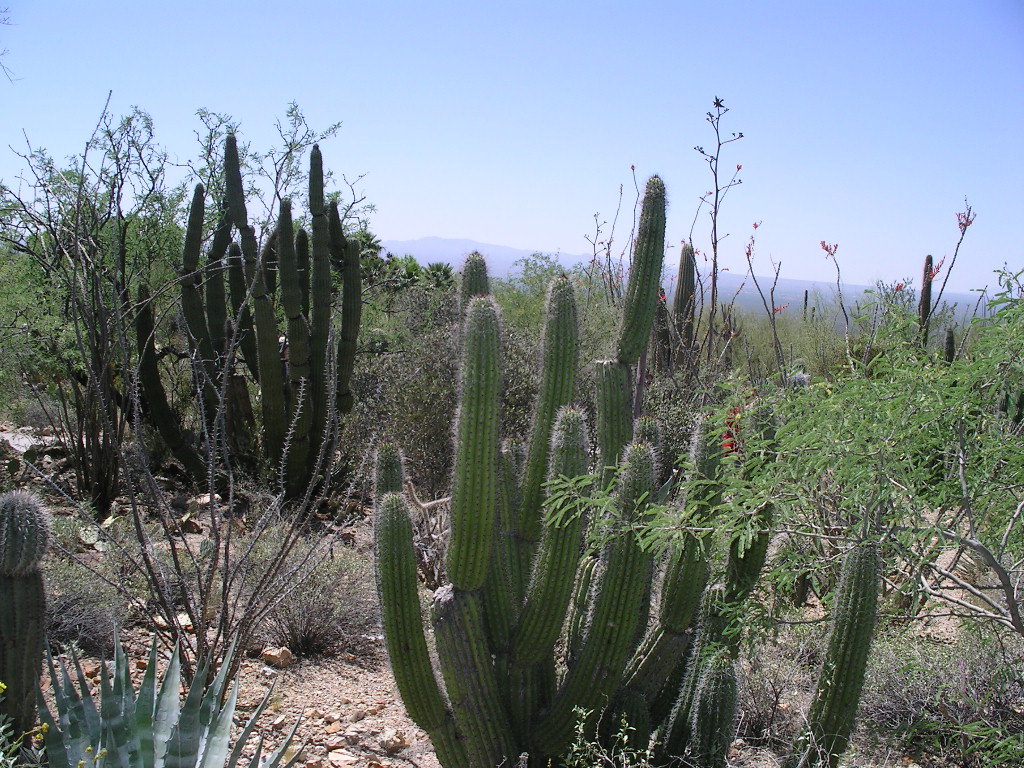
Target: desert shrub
(82, 608)
(777, 677)
(962, 701)
(333, 608)
(328, 603)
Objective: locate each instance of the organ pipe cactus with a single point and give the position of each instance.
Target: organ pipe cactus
(24, 536)
(496, 623)
(231, 301)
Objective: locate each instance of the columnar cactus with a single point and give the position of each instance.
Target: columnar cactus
(683, 305)
(24, 536)
(302, 382)
(834, 707)
(924, 304)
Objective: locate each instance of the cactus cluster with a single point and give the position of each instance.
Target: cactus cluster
(534, 628)
(24, 536)
(231, 301)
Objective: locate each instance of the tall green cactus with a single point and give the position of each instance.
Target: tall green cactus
(496, 629)
(302, 383)
(924, 303)
(24, 537)
(683, 306)
(834, 707)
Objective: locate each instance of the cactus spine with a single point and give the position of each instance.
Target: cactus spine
(24, 537)
(834, 707)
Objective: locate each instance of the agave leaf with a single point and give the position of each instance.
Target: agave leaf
(86, 708)
(167, 710)
(216, 748)
(250, 725)
(188, 733)
(255, 761)
(56, 752)
(145, 706)
(274, 759)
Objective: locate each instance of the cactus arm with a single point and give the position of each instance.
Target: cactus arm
(551, 583)
(474, 483)
(619, 590)
(683, 305)
(403, 631)
(300, 416)
(713, 715)
(347, 254)
(269, 357)
(558, 376)
(470, 678)
(318, 295)
(238, 292)
(834, 706)
(216, 296)
(474, 280)
(24, 537)
(644, 274)
(614, 408)
(160, 413)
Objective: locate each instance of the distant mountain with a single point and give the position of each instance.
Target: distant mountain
(500, 258)
(788, 291)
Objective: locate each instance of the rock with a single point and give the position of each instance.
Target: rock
(333, 717)
(313, 714)
(278, 722)
(91, 668)
(277, 657)
(333, 743)
(392, 741)
(333, 728)
(341, 758)
(316, 762)
(357, 715)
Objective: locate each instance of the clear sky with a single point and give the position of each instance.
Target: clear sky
(866, 123)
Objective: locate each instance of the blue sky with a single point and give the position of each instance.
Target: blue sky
(866, 124)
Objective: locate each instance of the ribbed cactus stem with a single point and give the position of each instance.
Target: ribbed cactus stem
(683, 303)
(24, 537)
(347, 254)
(924, 305)
(644, 274)
(558, 376)
(713, 715)
(614, 414)
(619, 591)
(469, 676)
(300, 405)
(474, 280)
(475, 480)
(834, 706)
(398, 590)
(559, 553)
(388, 475)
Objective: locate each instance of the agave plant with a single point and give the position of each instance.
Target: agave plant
(151, 728)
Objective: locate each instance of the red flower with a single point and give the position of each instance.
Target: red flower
(778, 310)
